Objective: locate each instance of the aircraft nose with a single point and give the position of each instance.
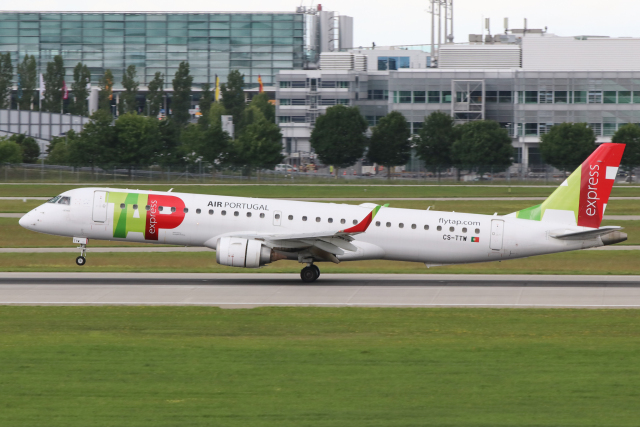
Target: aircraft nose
(24, 221)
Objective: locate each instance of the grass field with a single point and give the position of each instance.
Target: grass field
(325, 191)
(197, 366)
(582, 262)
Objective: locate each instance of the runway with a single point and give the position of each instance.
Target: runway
(249, 290)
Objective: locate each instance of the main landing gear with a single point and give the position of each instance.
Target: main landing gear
(82, 241)
(310, 273)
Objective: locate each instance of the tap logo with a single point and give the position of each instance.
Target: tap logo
(146, 214)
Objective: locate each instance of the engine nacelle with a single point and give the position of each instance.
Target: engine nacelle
(239, 252)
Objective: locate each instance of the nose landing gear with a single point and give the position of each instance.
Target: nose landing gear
(82, 241)
(310, 273)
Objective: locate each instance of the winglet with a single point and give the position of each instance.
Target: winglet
(362, 226)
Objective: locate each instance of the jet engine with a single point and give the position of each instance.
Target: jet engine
(239, 252)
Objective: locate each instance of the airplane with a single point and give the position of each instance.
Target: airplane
(253, 232)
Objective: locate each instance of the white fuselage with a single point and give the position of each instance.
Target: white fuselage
(431, 237)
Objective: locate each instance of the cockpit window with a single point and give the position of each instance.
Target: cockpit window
(54, 200)
(64, 200)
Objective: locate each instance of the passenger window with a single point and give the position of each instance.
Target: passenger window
(318, 219)
(464, 229)
(223, 213)
(426, 227)
(401, 225)
(54, 200)
(477, 231)
(452, 229)
(290, 217)
(439, 228)
(147, 208)
(236, 213)
(135, 207)
(377, 223)
(342, 221)
(186, 210)
(355, 222)
(198, 211)
(413, 226)
(304, 218)
(261, 215)
(159, 207)
(210, 211)
(388, 224)
(330, 220)
(122, 206)
(173, 209)
(64, 200)
(248, 214)
(277, 216)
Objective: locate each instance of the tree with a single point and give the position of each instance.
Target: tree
(155, 95)
(434, 141)
(136, 140)
(171, 152)
(338, 136)
(259, 144)
(28, 145)
(130, 85)
(233, 95)
(58, 149)
(10, 152)
(181, 101)
(206, 98)
(53, 84)
(6, 80)
(27, 78)
(629, 134)
(262, 102)
(566, 145)
(81, 79)
(95, 144)
(482, 145)
(106, 91)
(390, 143)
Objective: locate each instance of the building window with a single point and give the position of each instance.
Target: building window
(505, 97)
(610, 97)
(517, 158)
(530, 129)
(343, 101)
(624, 97)
(393, 62)
(327, 84)
(299, 102)
(560, 97)
(545, 127)
(491, 96)
(546, 97)
(596, 128)
(343, 85)
(608, 129)
(405, 97)
(285, 102)
(636, 97)
(417, 126)
(419, 96)
(378, 94)
(382, 63)
(531, 97)
(285, 84)
(446, 97)
(284, 119)
(299, 85)
(298, 119)
(579, 96)
(434, 96)
(595, 97)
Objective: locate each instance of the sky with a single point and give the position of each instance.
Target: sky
(404, 22)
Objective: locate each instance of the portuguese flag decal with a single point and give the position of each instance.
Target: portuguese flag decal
(475, 239)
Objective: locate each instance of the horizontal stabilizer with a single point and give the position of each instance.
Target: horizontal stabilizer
(589, 234)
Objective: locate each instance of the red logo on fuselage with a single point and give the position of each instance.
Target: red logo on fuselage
(171, 216)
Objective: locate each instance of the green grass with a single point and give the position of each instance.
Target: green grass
(323, 191)
(200, 366)
(582, 262)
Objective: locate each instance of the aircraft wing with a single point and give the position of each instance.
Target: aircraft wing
(589, 234)
(331, 242)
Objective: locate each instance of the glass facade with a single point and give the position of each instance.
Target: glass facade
(213, 43)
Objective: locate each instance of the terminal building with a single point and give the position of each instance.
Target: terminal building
(526, 81)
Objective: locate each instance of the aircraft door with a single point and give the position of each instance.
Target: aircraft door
(497, 232)
(100, 206)
(277, 217)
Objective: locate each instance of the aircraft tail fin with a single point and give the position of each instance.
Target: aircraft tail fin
(582, 198)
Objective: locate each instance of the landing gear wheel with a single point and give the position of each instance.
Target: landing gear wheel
(81, 260)
(315, 267)
(309, 274)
